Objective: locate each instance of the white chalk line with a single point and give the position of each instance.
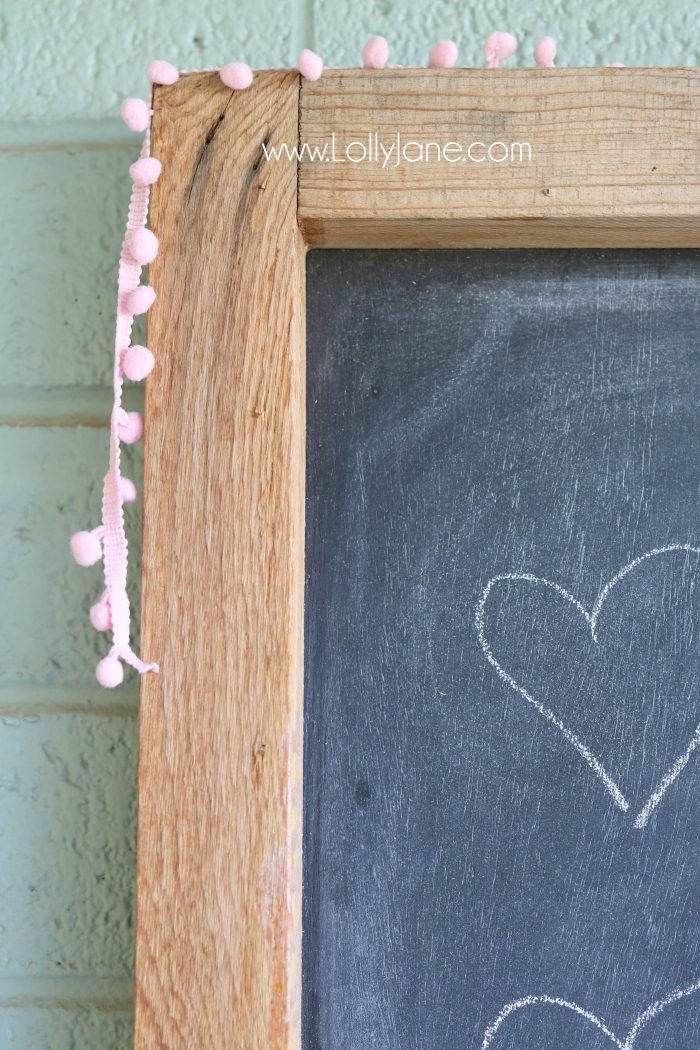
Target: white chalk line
(671, 548)
(673, 774)
(625, 1043)
(592, 620)
(547, 1000)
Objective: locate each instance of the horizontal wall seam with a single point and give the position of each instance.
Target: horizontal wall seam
(63, 135)
(29, 700)
(67, 992)
(72, 406)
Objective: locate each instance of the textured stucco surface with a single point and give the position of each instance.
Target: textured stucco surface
(66, 844)
(73, 58)
(68, 749)
(64, 1029)
(62, 216)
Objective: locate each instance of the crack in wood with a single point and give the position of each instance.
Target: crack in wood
(208, 139)
(261, 152)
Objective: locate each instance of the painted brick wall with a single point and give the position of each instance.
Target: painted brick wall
(68, 749)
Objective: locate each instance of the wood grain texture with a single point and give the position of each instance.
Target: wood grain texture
(219, 837)
(614, 158)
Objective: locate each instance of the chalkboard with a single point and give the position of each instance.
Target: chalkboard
(502, 651)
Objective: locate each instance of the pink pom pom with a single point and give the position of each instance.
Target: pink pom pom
(85, 548)
(101, 615)
(545, 52)
(145, 171)
(137, 363)
(131, 429)
(443, 55)
(135, 114)
(498, 47)
(236, 75)
(142, 245)
(310, 65)
(140, 300)
(160, 72)
(109, 672)
(375, 53)
(615, 65)
(128, 490)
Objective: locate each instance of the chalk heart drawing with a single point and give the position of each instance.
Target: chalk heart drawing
(625, 1042)
(591, 618)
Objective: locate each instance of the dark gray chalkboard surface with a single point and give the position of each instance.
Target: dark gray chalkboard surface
(502, 651)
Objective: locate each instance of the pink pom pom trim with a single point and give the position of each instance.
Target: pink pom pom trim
(135, 114)
(443, 55)
(140, 300)
(128, 490)
(137, 363)
(130, 427)
(375, 53)
(545, 52)
(86, 547)
(146, 171)
(109, 672)
(108, 541)
(310, 65)
(100, 616)
(498, 47)
(159, 72)
(236, 75)
(142, 244)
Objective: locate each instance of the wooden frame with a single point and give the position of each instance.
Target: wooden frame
(613, 163)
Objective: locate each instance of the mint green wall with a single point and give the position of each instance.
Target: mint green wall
(67, 748)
